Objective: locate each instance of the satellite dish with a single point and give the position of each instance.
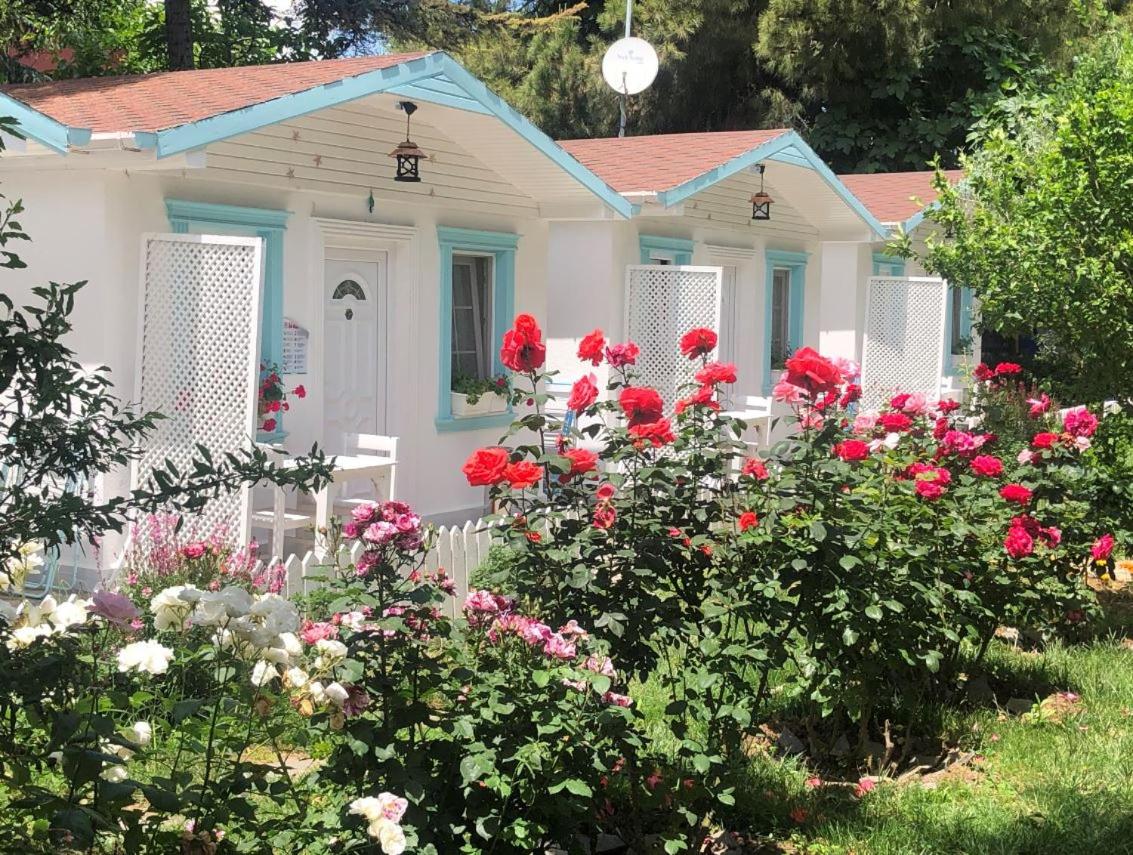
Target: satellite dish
(629, 66)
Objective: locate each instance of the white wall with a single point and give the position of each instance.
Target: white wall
(88, 224)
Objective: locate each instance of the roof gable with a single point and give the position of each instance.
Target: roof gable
(167, 99)
(660, 162)
(895, 197)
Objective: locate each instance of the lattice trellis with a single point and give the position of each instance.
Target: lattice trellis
(199, 356)
(904, 338)
(662, 303)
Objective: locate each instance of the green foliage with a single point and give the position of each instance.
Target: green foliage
(1040, 229)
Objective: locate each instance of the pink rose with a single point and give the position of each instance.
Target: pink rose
(114, 608)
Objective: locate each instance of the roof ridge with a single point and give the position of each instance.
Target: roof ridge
(110, 79)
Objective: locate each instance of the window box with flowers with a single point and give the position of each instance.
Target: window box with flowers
(272, 402)
(472, 396)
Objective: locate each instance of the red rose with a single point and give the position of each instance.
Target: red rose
(604, 516)
(641, 404)
(699, 341)
(853, 393)
(897, 402)
(894, 422)
(986, 465)
(715, 373)
(605, 492)
(755, 468)
(704, 396)
(982, 373)
(1015, 493)
(581, 462)
(591, 347)
(621, 355)
(485, 467)
(523, 349)
(812, 372)
(300, 391)
(852, 449)
(1102, 548)
(747, 520)
(1018, 543)
(929, 490)
(1005, 369)
(659, 432)
(523, 474)
(1044, 440)
(947, 406)
(1080, 422)
(583, 394)
(269, 425)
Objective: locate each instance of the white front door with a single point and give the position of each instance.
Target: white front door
(354, 351)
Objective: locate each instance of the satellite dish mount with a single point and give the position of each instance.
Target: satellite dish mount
(629, 67)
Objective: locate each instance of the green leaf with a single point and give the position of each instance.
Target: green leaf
(578, 788)
(873, 612)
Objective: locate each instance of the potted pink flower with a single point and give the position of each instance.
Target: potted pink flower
(474, 397)
(272, 399)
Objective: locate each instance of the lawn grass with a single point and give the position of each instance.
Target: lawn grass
(1040, 783)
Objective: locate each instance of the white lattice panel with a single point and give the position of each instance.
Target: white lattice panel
(199, 356)
(904, 338)
(662, 303)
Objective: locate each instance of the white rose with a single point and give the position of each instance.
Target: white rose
(263, 673)
(290, 642)
(296, 677)
(368, 807)
(114, 774)
(146, 656)
(389, 834)
(330, 651)
(25, 636)
(140, 732)
(70, 612)
(318, 693)
(336, 694)
(170, 608)
(276, 655)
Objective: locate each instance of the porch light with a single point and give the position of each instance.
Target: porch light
(761, 202)
(407, 154)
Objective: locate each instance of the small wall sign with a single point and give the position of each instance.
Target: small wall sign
(295, 343)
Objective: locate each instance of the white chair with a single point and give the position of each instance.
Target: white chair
(756, 413)
(372, 445)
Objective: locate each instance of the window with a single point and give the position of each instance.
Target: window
(888, 265)
(783, 310)
(471, 317)
(957, 328)
(781, 344)
(477, 298)
(665, 250)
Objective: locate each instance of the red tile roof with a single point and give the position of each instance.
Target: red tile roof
(662, 161)
(153, 102)
(889, 195)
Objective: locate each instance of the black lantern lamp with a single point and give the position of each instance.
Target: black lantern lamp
(408, 155)
(761, 202)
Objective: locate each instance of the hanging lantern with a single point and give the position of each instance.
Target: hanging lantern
(408, 155)
(761, 202)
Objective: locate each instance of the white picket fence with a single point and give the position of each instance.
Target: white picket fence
(459, 550)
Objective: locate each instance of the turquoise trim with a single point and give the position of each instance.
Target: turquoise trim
(205, 217)
(888, 265)
(787, 148)
(452, 425)
(951, 360)
(40, 127)
(676, 250)
(796, 263)
(501, 246)
(436, 78)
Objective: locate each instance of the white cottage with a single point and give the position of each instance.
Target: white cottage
(800, 273)
(388, 283)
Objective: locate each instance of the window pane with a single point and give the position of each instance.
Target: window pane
(780, 317)
(956, 308)
(471, 316)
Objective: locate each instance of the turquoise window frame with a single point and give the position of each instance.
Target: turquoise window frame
(501, 247)
(673, 250)
(796, 263)
(888, 265)
(269, 224)
(951, 360)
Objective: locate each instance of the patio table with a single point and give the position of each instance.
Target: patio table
(346, 467)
